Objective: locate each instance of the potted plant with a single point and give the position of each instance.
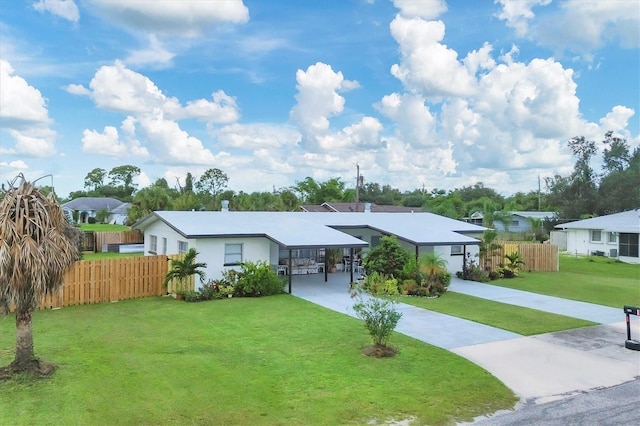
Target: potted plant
(334, 256)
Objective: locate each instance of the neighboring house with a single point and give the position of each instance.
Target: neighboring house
(86, 207)
(520, 220)
(225, 239)
(616, 235)
(331, 207)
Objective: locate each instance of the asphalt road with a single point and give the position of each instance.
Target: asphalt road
(617, 405)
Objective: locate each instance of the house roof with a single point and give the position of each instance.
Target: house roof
(351, 207)
(535, 215)
(121, 209)
(298, 230)
(92, 203)
(624, 222)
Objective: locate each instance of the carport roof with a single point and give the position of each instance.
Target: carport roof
(298, 230)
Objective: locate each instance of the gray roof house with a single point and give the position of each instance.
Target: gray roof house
(520, 220)
(615, 235)
(333, 207)
(225, 239)
(87, 207)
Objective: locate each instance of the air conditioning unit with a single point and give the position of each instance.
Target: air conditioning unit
(613, 252)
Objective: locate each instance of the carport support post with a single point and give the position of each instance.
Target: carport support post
(326, 264)
(290, 269)
(464, 261)
(351, 261)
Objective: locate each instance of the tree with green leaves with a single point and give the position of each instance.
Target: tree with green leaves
(95, 179)
(122, 181)
(37, 246)
(488, 247)
(211, 183)
(387, 258)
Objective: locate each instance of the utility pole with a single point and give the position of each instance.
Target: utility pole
(538, 192)
(357, 186)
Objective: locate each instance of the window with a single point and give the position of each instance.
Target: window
(164, 246)
(183, 247)
(153, 244)
(232, 254)
(596, 236)
(515, 223)
(457, 251)
(629, 245)
(612, 237)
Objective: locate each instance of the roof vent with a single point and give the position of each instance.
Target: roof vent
(367, 207)
(225, 206)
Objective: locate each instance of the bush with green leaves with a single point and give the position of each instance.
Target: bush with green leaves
(472, 271)
(380, 317)
(254, 279)
(387, 258)
(379, 284)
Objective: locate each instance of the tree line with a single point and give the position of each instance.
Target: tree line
(583, 193)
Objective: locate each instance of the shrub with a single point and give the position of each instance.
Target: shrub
(253, 280)
(472, 271)
(191, 296)
(380, 318)
(379, 284)
(91, 220)
(387, 258)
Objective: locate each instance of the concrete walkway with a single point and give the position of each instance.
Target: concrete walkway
(556, 305)
(537, 368)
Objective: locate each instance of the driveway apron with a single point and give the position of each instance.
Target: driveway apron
(537, 368)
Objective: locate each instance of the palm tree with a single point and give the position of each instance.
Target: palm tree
(36, 248)
(488, 247)
(431, 264)
(182, 269)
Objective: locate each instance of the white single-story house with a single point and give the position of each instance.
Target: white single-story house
(225, 239)
(616, 235)
(86, 207)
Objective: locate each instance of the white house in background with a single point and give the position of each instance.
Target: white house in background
(521, 221)
(225, 239)
(616, 235)
(86, 207)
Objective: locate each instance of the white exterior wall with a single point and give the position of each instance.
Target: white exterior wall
(161, 230)
(579, 242)
(253, 249)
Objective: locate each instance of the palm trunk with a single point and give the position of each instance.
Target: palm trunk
(25, 356)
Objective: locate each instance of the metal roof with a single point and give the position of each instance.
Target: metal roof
(297, 229)
(625, 222)
(92, 203)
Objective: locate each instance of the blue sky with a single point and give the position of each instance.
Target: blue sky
(433, 94)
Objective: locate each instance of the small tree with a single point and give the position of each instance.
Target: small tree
(380, 318)
(488, 247)
(513, 267)
(182, 269)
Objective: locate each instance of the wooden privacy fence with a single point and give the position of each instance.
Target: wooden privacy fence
(110, 280)
(93, 241)
(537, 257)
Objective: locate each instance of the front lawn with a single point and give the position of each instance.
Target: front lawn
(598, 280)
(276, 360)
(513, 318)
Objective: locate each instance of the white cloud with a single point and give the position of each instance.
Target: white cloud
(109, 143)
(426, 9)
(358, 136)
(24, 115)
(154, 55)
(170, 144)
(66, 9)
(414, 121)
(518, 13)
(184, 18)
(617, 119)
(223, 109)
(317, 100)
(78, 89)
(255, 136)
(427, 66)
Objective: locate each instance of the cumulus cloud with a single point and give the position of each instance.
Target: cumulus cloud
(428, 66)
(223, 109)
(617, 119)
(318, 99)
(518, 13)
(414, 121)
(24, 116)
(184, 18)
(577, 26)
(256, 136)
(66, 9)
(109, 143)
(426, 9)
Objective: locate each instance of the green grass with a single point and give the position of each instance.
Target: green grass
(596, 280)
(107, 255)
(103, 227)
(513, 318)
(271, 361)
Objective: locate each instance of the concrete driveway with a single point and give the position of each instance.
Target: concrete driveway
(537, 368)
